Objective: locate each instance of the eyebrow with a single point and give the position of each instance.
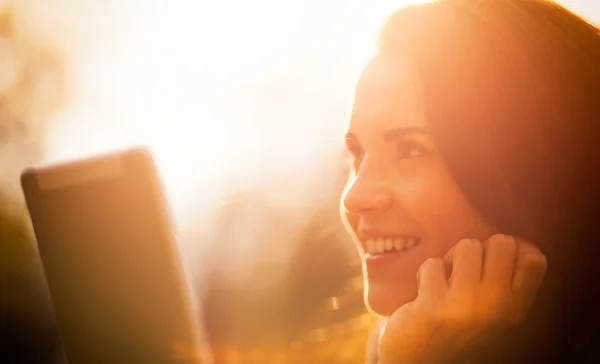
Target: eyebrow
(394, 134)
(399, 133)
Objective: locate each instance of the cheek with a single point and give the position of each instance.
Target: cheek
(441, 211)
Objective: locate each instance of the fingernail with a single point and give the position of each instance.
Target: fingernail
(538, 257)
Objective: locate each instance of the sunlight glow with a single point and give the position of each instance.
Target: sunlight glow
(221, 92)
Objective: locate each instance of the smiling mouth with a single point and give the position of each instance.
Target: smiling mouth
(387, 245)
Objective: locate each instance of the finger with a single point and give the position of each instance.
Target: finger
(524, 246)
(432, 279)
(466, 259)
(449, 257)
(499, 260)
(529, 274)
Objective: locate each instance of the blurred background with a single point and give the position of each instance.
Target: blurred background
(244, 105)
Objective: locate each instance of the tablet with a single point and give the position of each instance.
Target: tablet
(120, 291)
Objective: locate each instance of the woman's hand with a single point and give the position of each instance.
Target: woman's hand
(491, 287)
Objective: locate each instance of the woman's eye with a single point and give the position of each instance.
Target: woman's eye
(415, 153)
(411, 149)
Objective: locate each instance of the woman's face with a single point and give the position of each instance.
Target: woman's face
(401, 204)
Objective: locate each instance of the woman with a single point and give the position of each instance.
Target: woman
(474, 140)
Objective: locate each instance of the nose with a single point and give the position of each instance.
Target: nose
(366, 193)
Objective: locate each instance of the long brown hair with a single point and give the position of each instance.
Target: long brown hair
(512, 91)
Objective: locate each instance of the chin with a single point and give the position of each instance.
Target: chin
(382, 298)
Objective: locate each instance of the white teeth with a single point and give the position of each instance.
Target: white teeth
(382, 245)
(370, 246)
(389, 244)
(399, 244)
